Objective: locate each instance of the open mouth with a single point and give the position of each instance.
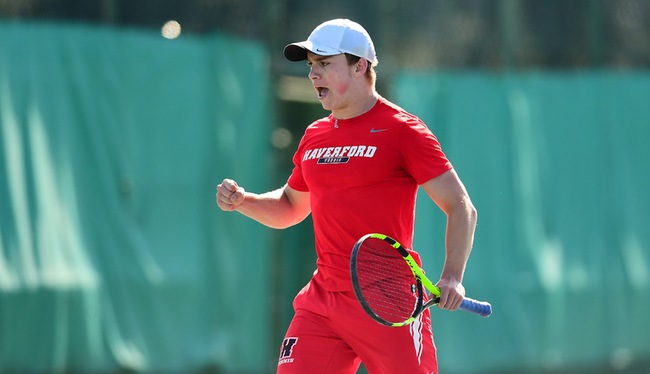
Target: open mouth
(322, 92)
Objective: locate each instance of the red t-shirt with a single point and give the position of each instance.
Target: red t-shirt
(362, 174)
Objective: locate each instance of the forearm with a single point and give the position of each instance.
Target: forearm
(461, 223)
(272, 209)
(278, 209)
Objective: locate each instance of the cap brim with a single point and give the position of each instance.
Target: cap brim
(298, 51)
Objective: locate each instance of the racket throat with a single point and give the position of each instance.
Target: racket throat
(419, 305)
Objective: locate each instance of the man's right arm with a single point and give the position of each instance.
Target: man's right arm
(278, 209)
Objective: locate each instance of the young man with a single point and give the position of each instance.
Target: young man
(357, 171)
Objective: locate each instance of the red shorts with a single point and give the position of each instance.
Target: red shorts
(331, 334)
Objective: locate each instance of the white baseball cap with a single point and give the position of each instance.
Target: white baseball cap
(333, 38)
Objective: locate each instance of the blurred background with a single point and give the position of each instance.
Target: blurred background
(118, 119)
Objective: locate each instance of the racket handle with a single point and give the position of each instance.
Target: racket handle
(482, 308)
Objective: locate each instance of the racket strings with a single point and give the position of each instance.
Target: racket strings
(386, 282)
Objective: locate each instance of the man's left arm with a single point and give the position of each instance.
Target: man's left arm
(449, 193)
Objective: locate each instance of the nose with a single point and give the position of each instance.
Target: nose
(313, 73)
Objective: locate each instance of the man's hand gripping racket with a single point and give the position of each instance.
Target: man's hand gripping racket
(390, 285)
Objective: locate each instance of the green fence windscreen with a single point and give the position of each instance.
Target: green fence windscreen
(113, 254)
(558, 167)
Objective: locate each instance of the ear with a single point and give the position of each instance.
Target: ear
(361, 66)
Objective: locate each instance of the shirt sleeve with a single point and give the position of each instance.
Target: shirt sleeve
(296, 179)
(421, 152)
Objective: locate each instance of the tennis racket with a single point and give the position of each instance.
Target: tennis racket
(390, 285)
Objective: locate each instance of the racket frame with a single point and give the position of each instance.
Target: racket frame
(478, 307)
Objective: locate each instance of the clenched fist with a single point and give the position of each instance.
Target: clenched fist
(229, 195)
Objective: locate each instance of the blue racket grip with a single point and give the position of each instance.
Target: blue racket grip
(482, 308)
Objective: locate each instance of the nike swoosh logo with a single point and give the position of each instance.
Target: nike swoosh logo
(373, 130)
(320, 50)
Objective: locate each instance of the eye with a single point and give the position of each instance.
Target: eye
(321, 63)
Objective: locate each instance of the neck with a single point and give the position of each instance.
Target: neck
(361, 105)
